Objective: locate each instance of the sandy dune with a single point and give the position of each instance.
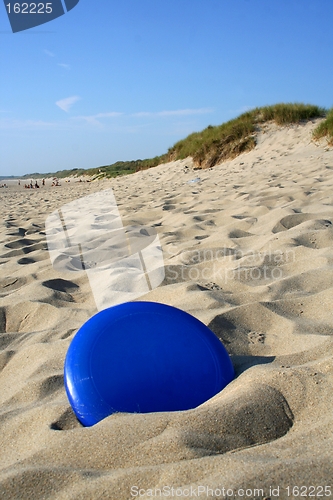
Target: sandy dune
(247, 249)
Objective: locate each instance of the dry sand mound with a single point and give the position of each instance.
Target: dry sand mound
(247, 250)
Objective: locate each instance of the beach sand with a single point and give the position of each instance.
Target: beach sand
(247, 249)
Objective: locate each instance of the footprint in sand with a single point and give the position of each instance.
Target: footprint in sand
(9, 284)
(291, 221)
(26, 261)
(24, 242)
(61, 285)
(239, 233)
(202, 237)
(18, 249)
(20, 232)
(168, 207)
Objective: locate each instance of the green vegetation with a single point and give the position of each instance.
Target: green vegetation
(59, 174)
(128, 167)
(283, 114)
(114, 170)
(325, 128)
(216, 144)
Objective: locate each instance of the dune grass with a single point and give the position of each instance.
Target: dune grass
(283, 114)
(223, 142)
(128, 167)
(215, 144)
(325, 128)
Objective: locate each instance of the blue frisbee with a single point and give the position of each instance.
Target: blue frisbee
(142, 357)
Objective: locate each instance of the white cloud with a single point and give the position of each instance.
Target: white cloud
(49, 53)
(67, 103)
(176, 112)
(66, 66)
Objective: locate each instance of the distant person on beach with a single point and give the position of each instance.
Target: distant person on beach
(36, 185)
(43, 182)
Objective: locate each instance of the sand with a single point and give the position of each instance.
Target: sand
(247, 249)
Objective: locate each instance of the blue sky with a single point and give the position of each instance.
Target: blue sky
(113, 81)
